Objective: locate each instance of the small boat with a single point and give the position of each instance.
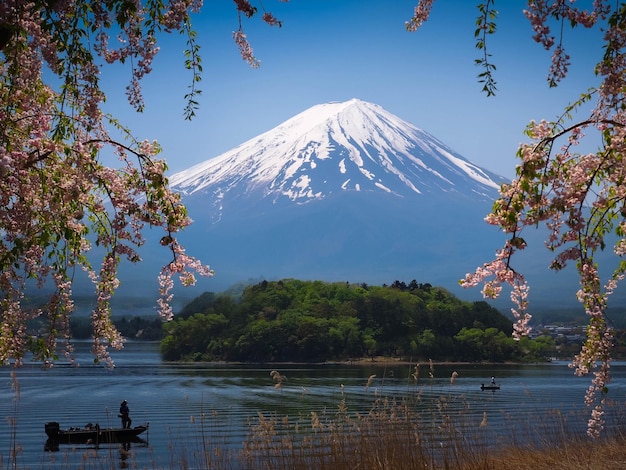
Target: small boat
(489, 387)
(93, 434)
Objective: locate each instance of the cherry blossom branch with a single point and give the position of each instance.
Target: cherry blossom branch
(53, 184)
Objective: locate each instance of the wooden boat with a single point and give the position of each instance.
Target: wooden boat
(93, 434)
(489, 387)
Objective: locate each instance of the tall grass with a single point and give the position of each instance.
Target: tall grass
(393, 436)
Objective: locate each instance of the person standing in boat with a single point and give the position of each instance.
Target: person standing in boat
(493, 381)
(125, 415)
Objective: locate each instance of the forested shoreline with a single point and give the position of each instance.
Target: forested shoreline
(314, 321)
(349, 320)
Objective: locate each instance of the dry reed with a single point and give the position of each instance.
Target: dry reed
(392, 435)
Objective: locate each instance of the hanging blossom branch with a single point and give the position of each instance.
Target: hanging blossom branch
(539, 13)
(245, 8)
(581, 198)
(57, 197)
(485, 26)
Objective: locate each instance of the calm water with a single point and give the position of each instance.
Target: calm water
(190, 404)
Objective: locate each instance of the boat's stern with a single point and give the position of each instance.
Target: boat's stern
(52, 429)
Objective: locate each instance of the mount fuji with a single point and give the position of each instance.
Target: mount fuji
(332, 149)
(342, 191)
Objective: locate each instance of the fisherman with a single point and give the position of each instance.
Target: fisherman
(493, 381)
(124, 414)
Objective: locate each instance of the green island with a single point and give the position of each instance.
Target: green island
(313, 321)
(292, 320)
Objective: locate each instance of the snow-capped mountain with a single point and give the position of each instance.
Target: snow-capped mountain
(332, 148)
(342, 191)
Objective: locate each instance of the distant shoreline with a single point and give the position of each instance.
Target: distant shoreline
(365, 361)
(383, 360)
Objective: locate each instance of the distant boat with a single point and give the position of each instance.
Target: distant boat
(93, 434)
(489, 387)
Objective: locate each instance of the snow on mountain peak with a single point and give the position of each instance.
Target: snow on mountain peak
(338, 146)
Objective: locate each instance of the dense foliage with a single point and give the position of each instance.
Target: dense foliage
(293, 320)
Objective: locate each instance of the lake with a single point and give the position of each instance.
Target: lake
(188, 405)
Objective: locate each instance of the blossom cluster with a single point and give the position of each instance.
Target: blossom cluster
(245, 49)
(248, 10)
(420, 14)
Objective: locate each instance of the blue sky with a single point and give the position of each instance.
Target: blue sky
(335, 50)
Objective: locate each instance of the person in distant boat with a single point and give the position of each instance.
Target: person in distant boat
(493, 380)
(125, 415)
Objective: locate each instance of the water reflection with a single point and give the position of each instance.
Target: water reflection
(54, 445)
